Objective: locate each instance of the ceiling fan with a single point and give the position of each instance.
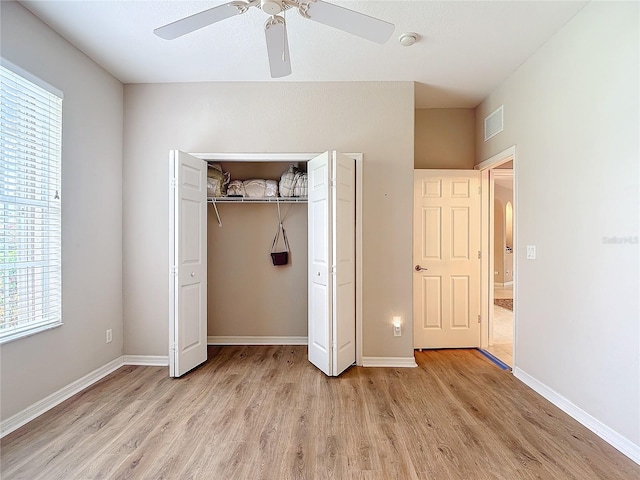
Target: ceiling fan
(275, 29)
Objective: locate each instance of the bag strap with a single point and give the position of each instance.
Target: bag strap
(284, 236)
(278, 230)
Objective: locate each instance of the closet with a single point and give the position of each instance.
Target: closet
(224, 288)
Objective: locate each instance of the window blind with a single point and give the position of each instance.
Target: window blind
(30, 213)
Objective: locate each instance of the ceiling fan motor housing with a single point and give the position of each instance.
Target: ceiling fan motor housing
(272, 7)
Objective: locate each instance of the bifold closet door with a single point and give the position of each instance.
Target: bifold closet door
(331, 332)
(188, 263)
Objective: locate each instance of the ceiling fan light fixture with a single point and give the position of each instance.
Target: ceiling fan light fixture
(272, 7)
(341, 18)
(408, 39)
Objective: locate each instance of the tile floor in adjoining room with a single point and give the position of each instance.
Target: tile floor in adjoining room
(502, 347)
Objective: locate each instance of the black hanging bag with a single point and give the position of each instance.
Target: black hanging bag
(280, 257)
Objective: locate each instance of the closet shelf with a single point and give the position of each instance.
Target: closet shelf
(257, 199)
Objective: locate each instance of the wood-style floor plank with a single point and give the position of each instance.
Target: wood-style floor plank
(265, 413)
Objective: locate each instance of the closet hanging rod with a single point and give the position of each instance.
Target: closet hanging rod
(257, 199)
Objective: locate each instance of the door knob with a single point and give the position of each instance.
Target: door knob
(418, 268)
(193, 274)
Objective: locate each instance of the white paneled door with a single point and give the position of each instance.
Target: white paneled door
(331, 184)
(188, 263)
(446, 285)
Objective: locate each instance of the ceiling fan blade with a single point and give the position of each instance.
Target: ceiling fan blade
(350, 21)
(199, 20)
(275, 30)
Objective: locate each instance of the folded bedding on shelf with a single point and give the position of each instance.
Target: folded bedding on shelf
(293, 183)
(236, 188)
(271, 188)
(255, 188)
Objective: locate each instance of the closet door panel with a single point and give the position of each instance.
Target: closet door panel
(188, 242)
(344, 290)
(320, 334)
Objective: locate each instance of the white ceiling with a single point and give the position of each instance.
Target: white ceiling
(465, 50)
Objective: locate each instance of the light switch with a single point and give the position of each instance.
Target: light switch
(531, 252)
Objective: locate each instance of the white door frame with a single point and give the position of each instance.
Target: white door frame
(487, 264)
(305, 157)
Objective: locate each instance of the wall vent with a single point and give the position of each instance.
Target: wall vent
(493, 123)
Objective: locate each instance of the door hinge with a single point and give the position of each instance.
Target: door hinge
(479, 319)
(172, 183)
(333, 271)
(173, 271)
(479, 254)
(480, 190)
(173, 347)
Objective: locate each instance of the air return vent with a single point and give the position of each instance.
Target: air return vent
(493, 123)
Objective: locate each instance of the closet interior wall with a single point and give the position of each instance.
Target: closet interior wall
(247, 295)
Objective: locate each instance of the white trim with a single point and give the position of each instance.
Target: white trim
(32, 78)
(21, 418)
(305, 157)
(256, 157)
(613, 438)
(146, 360)
(172, 262)
(393, 362)
(359, 275)
(487, 263)
(27, 332)
(498, 159)
(255, 340)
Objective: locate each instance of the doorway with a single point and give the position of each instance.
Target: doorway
(503, 249)
(499, 266)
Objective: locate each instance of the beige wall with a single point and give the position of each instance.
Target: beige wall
(37, 366)
(247, 295)
(445, 138)
(572, 112)
(370, 117)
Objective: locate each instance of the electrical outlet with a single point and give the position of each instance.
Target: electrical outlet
(109, 335)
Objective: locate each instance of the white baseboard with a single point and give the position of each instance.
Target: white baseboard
(21, 418)
(609, 435)
(256, 340)
(394, 362)
(146, 360)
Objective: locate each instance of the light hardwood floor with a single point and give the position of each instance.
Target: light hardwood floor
(266, 413)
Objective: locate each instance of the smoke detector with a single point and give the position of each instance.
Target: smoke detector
(408, 39)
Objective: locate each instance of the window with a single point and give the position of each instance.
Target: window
(30, 217)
